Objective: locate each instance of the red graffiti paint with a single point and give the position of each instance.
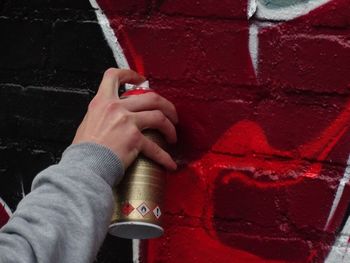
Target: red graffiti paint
(4, 215)
(262, 152)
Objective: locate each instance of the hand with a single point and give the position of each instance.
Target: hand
(117, 123)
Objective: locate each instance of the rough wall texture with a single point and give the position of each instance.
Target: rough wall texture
(264, 118)
(52, 56)
(264, 111)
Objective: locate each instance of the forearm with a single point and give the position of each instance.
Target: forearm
(65, 217)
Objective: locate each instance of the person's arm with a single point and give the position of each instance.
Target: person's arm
(66, 216)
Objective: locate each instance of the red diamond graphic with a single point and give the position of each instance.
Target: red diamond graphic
(127, 209)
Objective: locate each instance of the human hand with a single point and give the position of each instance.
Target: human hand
(117, 123)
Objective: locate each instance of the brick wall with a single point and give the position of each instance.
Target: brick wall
(263, 105)
(263, 133)
(52, 57)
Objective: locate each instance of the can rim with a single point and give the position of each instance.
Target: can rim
(135, 230)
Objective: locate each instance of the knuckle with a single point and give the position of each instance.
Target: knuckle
(135, 137)
(172, 107)
(158, 151)
(111, 72)
(93, 103)
(112, 106)
(123, 117)
(160, 116)
(156, 98)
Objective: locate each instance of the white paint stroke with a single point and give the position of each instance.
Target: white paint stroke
(341, 247)
(254, 46)
(136, 250)
(251, 9)
(22, 188)
(253, 42)
(111, 38)
(343, 182)
(287, 13)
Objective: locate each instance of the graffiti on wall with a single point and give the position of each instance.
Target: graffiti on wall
(5, 212)
(263, 135)
(264, 174)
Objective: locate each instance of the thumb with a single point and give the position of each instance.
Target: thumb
(114, 77)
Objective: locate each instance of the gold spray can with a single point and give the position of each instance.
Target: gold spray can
(138, 197)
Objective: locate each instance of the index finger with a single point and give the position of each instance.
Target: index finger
(114, 77)
(151, 101)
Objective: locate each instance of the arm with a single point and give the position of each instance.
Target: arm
(66, 216)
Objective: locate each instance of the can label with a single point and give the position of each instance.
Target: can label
(137, 210)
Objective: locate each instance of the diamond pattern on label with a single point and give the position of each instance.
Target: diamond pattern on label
(157, 213)
(127, 209)
(143, 209)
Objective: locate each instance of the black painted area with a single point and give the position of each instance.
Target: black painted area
(76, 4)
(23, 43)
(52, 58)
(18, 166)
(112, 250)
(41, 113)
(80, 42)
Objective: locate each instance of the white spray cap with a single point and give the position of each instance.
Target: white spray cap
(143, 85)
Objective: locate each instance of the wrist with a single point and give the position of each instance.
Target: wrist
(99, 159)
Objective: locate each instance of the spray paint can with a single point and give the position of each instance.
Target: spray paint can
(138, 197)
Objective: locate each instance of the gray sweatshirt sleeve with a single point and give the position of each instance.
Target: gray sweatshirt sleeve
(66, 215)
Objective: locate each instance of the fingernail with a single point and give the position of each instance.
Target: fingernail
(174, 166)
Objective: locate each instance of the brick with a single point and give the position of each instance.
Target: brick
(311, 61)
(188, 198)
(205, 8)
(49, 15)
(304, 199)
(220, 54)
(78, 4)
(54, 78)
(81, 4)
(112, 9)
(169, 43)
(18, 167)
(203, 122)
(233, 197)
(25, 44)
(43, 114)
(295, 249)
(69, 79)
(334, 14)
(304, 127)
(26, 3)
(201, 51)
(80, 47)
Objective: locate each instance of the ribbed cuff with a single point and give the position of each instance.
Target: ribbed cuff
(99, 159)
